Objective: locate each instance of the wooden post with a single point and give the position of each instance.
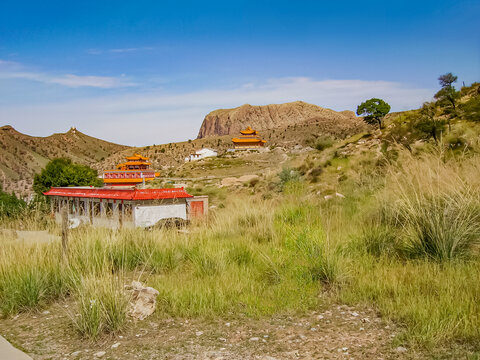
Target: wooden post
(65, 231)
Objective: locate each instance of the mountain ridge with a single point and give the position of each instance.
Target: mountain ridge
(262, 117)
(24, 155)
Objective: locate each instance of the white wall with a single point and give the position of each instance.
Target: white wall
(146, 216)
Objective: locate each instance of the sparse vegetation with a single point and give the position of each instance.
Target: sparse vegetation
(365, 222)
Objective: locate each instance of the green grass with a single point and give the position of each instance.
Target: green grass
(259, 257)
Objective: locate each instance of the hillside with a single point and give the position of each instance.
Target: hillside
(231, 121)
(22, 155)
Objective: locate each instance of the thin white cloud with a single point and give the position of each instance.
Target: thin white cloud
(160, 117)
(13, 70)
(118, 50)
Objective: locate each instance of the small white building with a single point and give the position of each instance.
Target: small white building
(201, 154)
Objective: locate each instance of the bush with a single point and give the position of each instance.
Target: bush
(323, 143)
(10, 205)
(288, 175)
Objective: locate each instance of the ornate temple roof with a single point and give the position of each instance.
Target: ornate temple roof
(248, 131)
(136, 157)
(119, 194)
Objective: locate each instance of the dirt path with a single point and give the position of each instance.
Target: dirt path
(338, 332)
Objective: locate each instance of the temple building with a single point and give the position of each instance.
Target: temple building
(248, 140)
(136, 170)
(125, 207)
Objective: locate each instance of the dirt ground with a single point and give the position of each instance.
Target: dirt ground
(338, 332)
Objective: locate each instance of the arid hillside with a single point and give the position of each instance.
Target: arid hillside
(22, 155)
(231, 121)
(290, 125)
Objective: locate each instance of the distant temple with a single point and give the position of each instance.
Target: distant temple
(136, 170)
(248, 140)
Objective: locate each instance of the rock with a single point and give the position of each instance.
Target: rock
(143, 300)
(227, 324)
(99, 354)
(401, 349)
(116, 345)
(231, 121)
(254, 339)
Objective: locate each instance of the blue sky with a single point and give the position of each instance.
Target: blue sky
(159, 67)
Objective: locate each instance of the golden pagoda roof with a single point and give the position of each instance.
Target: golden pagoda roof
(136, 157)
(134, 163)
(248, 140)
(248, 131)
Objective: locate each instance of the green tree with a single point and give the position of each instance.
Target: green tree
(447, 80)
(63, 172)
(447, 97)
(428, 123)
(373, 111)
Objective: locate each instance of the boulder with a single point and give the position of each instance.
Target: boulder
(143, 300)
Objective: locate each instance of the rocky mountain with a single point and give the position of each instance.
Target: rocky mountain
(231, 121)
(22, 156)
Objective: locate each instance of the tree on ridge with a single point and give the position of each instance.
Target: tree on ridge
(373, 111)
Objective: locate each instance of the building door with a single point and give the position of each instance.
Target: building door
(196, 209)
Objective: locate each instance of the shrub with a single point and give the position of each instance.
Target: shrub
(10, 205)
(288, 174)
(323, 143)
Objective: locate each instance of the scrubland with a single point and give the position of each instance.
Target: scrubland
(403, 240)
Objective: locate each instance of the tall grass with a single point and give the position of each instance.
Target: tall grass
(437, 206)
(254, 257)
(102, 305)
(416, 260)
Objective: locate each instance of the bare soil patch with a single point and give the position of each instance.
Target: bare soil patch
(337, 332)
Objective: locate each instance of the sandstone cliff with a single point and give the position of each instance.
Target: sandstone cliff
(231, 121)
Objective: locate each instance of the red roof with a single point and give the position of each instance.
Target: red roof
(119, 194)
